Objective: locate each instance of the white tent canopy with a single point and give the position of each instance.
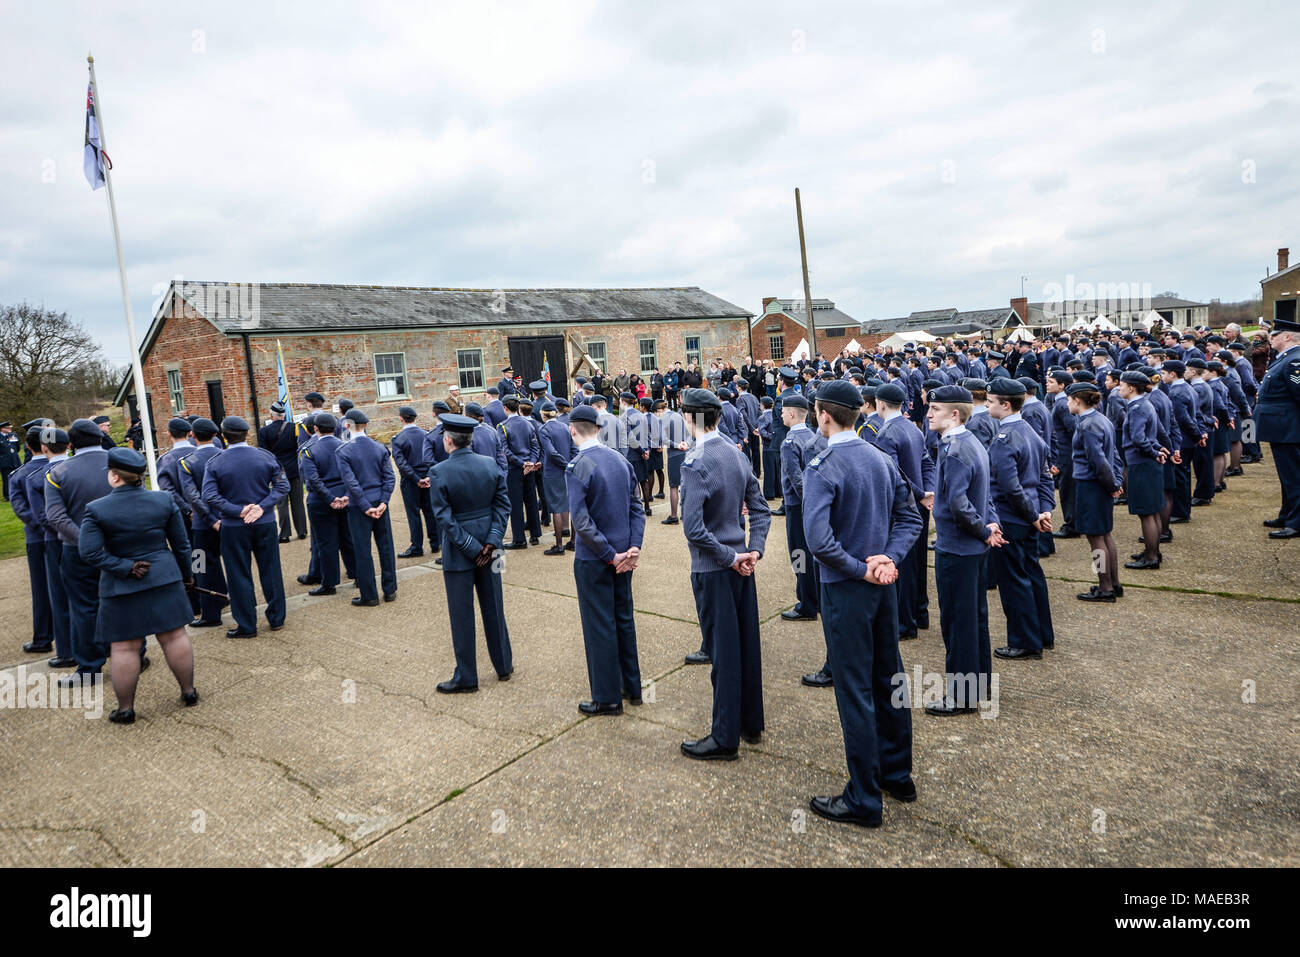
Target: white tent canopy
(899, 339)
(1151, 318)
(1020, 334)
(800, 351)
(1080, 323)
(854, 346)
(1102, 324)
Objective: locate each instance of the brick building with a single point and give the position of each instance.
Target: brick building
(1279, 291)
(211, 347)
(777, 330)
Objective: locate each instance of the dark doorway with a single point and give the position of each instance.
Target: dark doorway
(133, 408)
(216, 402)
(526, 355)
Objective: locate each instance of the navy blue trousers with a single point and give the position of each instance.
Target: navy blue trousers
(1182, 494)
(42, 622)
(859, 620)
(923, 572)
(1065, 484)
(331, 536)
(363, 529)
(81, 583)
(1286, 459)
(727, 605)
(911, 584)
(213, 578)
(417, 504)
(1203, 463)
(771, 458)
(60, 622)
(608, 630)
(1022, 588)
(461, 587)
(808, 601)
(523, 507)
(240, 544)
(964, 620)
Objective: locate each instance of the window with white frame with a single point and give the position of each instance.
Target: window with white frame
(174, 387)
(390, 375)
(596, 350)
(692, 349)
(649, 349)
(469, 367)
(776, 347)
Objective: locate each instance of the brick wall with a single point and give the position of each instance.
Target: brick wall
(792, 331)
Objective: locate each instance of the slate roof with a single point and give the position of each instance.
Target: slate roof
(825, 312)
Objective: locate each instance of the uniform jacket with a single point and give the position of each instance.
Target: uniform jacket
(604, 504)
(407, 449)
(33, 524)
(717, 479)
(898, 438)
(963, 505)
(366, 472)
(1277, 410)
(320, 470)
(133, 524)
(800, 445)
(1020, 474)
(243, 475)
(1094, 453)
(470, 505)
(191, 481)
(70, 486)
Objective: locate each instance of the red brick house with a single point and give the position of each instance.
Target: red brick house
(783, 322)
(210, 349)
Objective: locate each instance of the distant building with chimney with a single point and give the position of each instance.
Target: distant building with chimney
(1279, 291)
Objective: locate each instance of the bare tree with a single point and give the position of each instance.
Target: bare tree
(49, 365)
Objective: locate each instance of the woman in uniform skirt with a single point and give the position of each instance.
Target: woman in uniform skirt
(142, 581)
(1096, 486)
(1144, 458)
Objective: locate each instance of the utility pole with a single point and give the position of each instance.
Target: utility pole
(807, 290)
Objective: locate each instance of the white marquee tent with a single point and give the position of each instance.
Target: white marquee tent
(899, 339)
(800, 351)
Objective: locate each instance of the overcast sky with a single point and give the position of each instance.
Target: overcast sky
(943, 150)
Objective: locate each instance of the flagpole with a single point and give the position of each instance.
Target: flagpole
(141, 397)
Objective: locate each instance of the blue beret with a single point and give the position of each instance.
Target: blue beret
(179, 426)
(562, 403)
(86, 429)
(1196, 363)
(1084, 375)
(627, 396)
(1215, 365)
(767, 401)
(440, 406)
(1029, 382)
(345, 404)
(548, 406)
(473, 408)
(314, 397)
(646, 402)
(972, 384)
(406, 410)
(98, 420)
(1061, 376)
(540, 385)
(1077, 387)
(52, 436)
(357, 416)
(457, 423)
(1005, 385)
(795, 401)
(840, 392)
(584, 413)
(700, 400)
(128, 460)
(788, 372)
(325, 422)
(951, 393)
(493, 390)
(929, 384)
(891, 393)
(1134, 377)
(233, 423)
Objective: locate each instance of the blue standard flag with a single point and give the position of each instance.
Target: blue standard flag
(95, 157)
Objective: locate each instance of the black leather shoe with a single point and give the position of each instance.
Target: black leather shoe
(707, 749)
(635, 702)
(1274, 523)
(596, 707)
(698, 658)
(947, 708)
(324, 590)
(1143, 564)
(1013, 653)
(1231, 473)
(301, 536)
(1096, 594)
(818, 679)
(906, 636)
(434, 549)
(206, 623)
(37, 648)
(1178, 520)
(554, 550)
(240, 633)
(390, 596)
(285, 539)
(905, 792)
(80, 679)
(534, 541)
(571, 547)
(1138, 556)
(190, 698)
(834, 809)
(755, 738)
(144, 664)
(506, 676)
(514, 546)
(1065, 533)
(1049, 645)
(1119, 591)
(65, 662)
(365, 603)
(670, 520)
(646, 507)
(1198, 502)
(791, 615)
(455, 687)
(1285, 533)
(923, 624)
(1221, 487)
(308, 580)
(121, 716)
(660, 495)
(411, 553)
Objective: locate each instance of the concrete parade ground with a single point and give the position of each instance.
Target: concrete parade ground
(1162, 730)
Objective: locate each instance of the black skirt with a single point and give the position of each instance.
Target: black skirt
(1094, 508)
(1145, 486)
(141, 613)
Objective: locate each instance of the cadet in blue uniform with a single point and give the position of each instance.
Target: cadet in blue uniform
(241, 488)
(800, 445)
(788, 376)
(716, 481)
(1020, 476)
(523, 451)
(1277, 422)
(1189, 436)
(169, 478)
(966, 526)
(34, 538)
(280, 438)
(750, 410)
(771, 456)
(1203, 455)
(1145, 449)
(408, 450)
(608, 525)
(472, 506)
(1039, 417)
(637, 430)
(557, 451)
(487, 439)
(1062, 443)
(11, 447)
(676, 442)
(368, 476)
(905, 446)
(860, 522)
(1097, 484)
(205, 527)
(327, 505)
(70, 486)
(54, 448)
(138, 542)
(979, 425)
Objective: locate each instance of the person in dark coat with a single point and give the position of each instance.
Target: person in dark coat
(137, 540)
(280, 438)
(106, 441)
